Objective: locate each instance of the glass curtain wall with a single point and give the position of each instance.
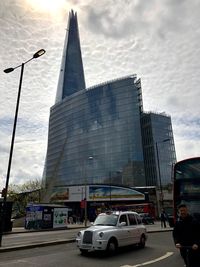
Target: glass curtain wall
(95, 136)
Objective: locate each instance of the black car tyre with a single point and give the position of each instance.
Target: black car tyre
(112, 246)
(83, 251)
(142, 241)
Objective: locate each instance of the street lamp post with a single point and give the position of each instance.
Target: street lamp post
(3, 207)
(85, 202)
(159, 173)
(110, 177)
(85, 206)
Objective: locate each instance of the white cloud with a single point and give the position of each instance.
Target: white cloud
(157, 40)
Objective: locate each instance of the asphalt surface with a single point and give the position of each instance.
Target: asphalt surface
(17, 240)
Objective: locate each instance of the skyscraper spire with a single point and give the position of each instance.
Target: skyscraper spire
(71, 79)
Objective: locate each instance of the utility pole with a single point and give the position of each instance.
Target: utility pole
(85, 182)
(159, 173)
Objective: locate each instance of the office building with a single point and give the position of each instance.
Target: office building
(95, 134)
(159, 149)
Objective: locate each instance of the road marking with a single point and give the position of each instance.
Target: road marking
(168, 254)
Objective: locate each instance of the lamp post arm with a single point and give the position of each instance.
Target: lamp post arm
(23, 65)
(28, 60)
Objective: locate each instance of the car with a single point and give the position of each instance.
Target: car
(146, 218)
(112, 230)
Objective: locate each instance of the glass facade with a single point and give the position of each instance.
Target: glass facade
(101, 135)
(95, 136)
(159, 149)
(71, 78)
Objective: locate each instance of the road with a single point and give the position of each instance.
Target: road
(159, 252)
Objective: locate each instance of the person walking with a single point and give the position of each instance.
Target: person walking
(186, 235)
(163, 218)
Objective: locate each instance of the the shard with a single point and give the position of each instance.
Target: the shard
(71, 78)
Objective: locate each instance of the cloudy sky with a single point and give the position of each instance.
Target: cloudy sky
(157, 40)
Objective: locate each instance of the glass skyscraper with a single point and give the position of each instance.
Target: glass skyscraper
(71, 79)
(96, 134)
(159, 149)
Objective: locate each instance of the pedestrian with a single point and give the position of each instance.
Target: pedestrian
(186, 235)
(163, 218)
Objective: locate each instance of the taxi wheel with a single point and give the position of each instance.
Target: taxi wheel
(84, 251)
(112, 246)
(142, 241)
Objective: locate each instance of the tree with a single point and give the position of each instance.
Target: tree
(23, 194)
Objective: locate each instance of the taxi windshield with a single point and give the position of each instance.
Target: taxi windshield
(106, 219)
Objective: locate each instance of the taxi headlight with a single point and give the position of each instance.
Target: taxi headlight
(79, 234)
(101, 234)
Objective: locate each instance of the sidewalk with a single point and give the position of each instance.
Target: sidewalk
(21, 238)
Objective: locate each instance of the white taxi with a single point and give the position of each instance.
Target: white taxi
(112, 230)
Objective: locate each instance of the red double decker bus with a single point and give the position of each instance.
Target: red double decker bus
(140, 208)
(187, 185)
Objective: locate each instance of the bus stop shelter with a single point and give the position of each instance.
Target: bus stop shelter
(46, 216)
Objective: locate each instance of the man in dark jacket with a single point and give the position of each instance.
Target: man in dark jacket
(163, 218)
(186, 233)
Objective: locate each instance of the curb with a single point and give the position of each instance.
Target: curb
(35, 245)
(159, 231)
(41, 230)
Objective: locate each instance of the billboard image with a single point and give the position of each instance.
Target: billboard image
(60, 195)
(60, 217)
(106, 192)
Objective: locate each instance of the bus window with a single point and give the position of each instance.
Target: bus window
(187, 185)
